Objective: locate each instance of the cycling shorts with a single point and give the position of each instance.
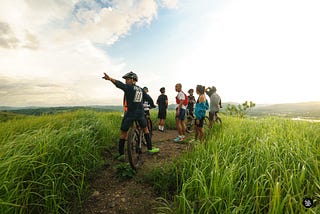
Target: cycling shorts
(127, 122)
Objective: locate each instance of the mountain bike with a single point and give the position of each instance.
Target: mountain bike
(216, 119)
(190, 122)
(134, 145)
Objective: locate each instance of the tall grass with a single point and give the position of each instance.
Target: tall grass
(45, 161)
(250, 166)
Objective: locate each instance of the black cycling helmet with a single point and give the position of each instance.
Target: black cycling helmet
(130, 75)
(145, 88)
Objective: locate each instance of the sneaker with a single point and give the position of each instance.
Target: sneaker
(153, 150)
(181, 139)
(177, 139)
(121, 158)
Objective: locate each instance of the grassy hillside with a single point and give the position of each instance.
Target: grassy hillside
(266, 165)
(5, 116)
(45, 161)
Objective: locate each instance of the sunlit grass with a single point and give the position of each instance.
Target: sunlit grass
(251, 166)
(45, 160)
(265, 165)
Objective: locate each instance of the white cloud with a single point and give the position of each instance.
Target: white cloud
(170, 3)
(47, 51)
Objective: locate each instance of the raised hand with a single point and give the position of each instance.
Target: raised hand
(106, 76)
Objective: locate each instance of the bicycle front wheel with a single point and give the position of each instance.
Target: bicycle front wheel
(134, 148)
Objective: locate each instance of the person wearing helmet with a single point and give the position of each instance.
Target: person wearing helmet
(162, 103)
(134, 99)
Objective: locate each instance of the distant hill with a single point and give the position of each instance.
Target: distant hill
(53, 110)
(5, 116)
(304, 109)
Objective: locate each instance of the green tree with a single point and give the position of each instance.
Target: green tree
(240, 110)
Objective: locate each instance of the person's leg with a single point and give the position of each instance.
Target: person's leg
(182, 124)
(143, 123)
(178, 125)
(201, 132)
(125, 125)
(122, 140)
(211, 115)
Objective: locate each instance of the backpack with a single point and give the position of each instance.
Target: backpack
(185, 101)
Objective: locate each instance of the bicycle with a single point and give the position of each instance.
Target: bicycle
(134, 145)
(190, 122)
(216, 119)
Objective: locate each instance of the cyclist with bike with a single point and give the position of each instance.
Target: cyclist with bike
(134, 99)
(215, 104)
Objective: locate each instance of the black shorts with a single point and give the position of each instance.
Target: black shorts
(127, 122)
(162, 114)
(199, 122)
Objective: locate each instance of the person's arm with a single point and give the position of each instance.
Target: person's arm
(152, 105)
(107, 77)
(117, 83)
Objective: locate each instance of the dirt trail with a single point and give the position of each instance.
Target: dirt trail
(110, 194)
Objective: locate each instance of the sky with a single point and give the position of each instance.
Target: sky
(54, 52)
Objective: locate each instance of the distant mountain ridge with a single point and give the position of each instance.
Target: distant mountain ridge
(302, 109)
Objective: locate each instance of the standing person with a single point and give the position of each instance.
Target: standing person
(215, 104)
(162, 103)
(202, 106)
(192, 101)
(134, 97)
(147, 102)
(190, 109)
(181, 105)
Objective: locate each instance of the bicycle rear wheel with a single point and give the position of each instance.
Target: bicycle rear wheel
(189, 124)
(218, 120)
(134, 148)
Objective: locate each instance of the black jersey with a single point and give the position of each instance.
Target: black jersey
(161, 101)
(134, 97)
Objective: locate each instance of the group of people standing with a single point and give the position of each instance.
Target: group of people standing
(137, 102)
(195, 108)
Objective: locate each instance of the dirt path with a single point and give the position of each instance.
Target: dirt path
(111, 194)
